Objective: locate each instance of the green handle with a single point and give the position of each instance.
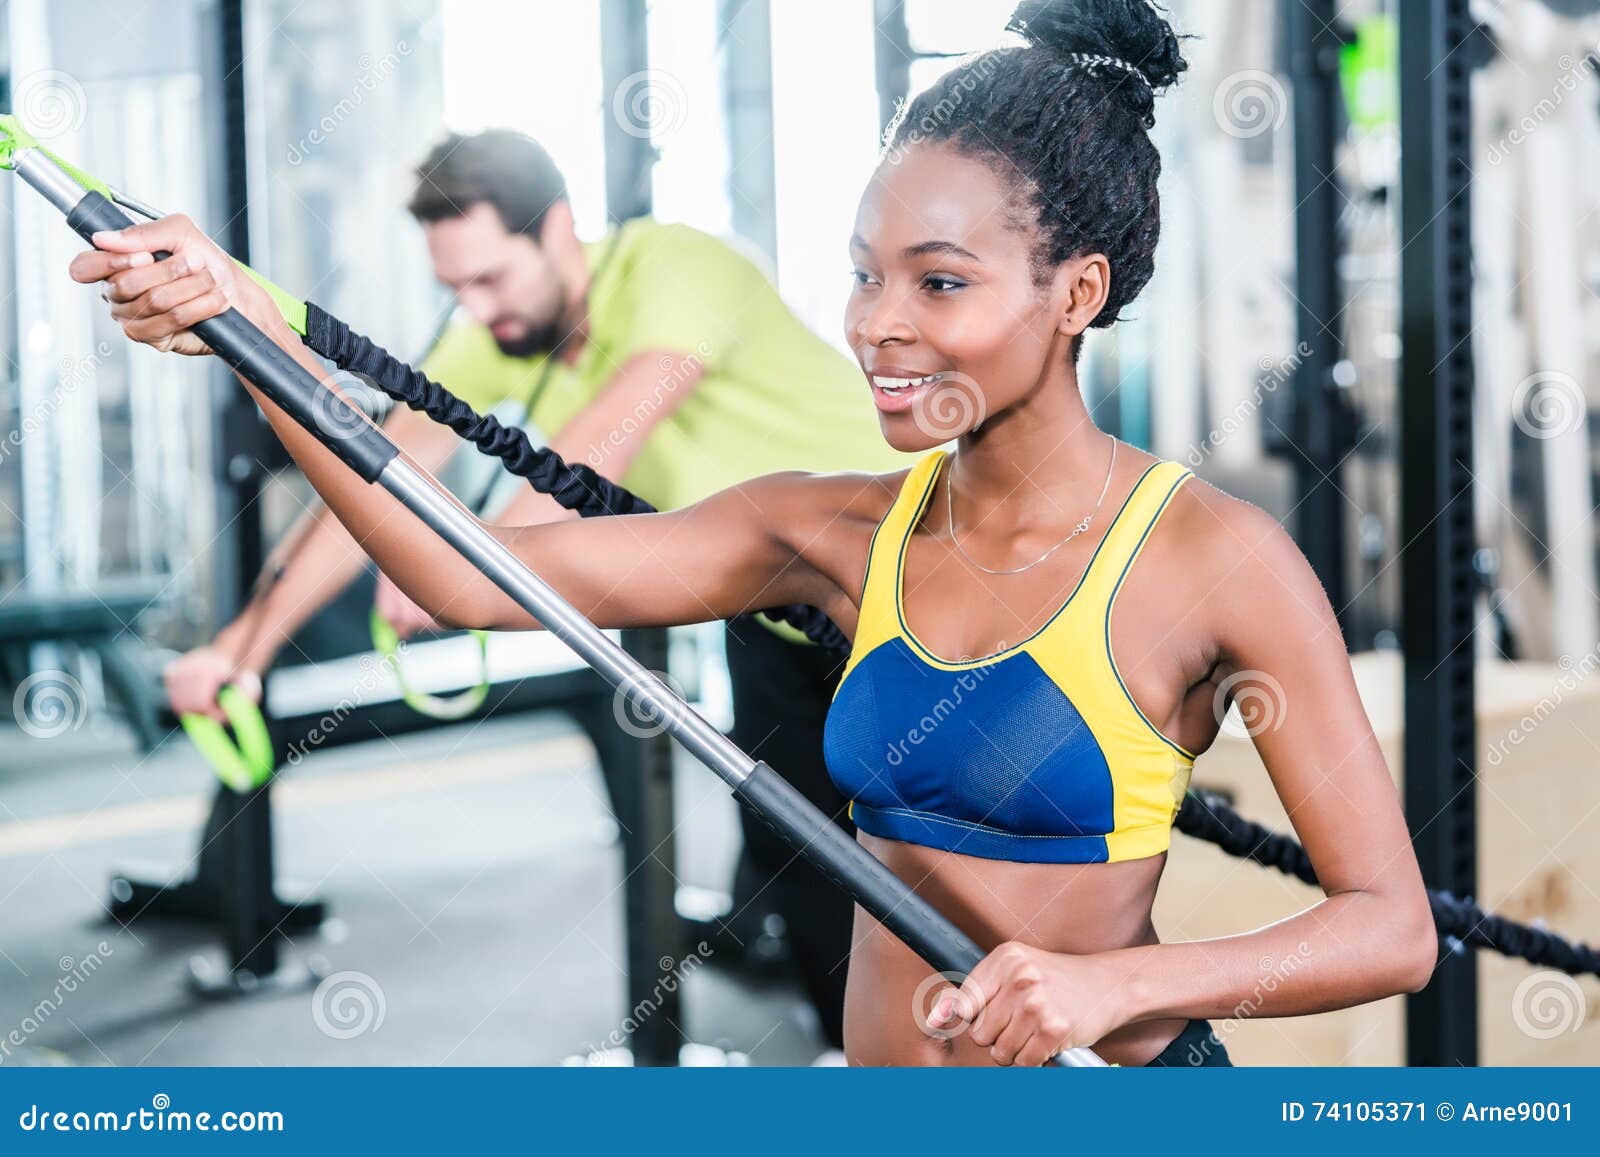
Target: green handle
(386, 641)
(243, 761)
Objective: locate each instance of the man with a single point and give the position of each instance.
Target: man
(663, 358)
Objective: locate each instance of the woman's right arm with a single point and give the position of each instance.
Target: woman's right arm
(730, 553)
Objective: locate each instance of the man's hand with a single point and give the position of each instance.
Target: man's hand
(193, 681)
(156, 302)
(404, 615)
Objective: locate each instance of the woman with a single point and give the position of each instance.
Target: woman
(1045, 622)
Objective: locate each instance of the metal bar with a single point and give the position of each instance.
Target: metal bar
(424, 499)
(652, 930)
(625, 80)
(892, 55)
(1438, 585)
(655, 933)
(366, 450)
(862, 874)
(745, 40)
(49, 179)
(1321, 420)
(243, 452)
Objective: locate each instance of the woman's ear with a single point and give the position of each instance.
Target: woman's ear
(1082, 285)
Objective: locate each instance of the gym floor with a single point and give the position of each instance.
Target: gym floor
(474, 883)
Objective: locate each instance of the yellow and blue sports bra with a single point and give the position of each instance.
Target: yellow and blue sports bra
(1036, 754)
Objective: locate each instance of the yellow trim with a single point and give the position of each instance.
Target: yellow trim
(922, 648)
(1149, 772)
(876, 620)
(1138, 843)
(1111, 606)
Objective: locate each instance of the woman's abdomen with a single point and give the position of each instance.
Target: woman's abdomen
(1060, 908)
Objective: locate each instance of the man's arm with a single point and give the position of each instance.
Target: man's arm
(319, 559)
(610, 431)
(682, 307)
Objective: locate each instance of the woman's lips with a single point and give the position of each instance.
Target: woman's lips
(897, 393)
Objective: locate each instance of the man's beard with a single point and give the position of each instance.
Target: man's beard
(545, 339)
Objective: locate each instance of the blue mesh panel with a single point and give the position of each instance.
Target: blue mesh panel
(998, 745)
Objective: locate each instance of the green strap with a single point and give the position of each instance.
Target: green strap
(14, 139)
(292, 309)
(244, 760)
(386, 641)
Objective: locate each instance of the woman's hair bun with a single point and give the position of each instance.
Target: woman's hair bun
(1134, 31)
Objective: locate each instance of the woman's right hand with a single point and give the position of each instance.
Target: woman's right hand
(193, 680)
(156, 302)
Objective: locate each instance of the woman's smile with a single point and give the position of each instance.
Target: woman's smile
(895, 390)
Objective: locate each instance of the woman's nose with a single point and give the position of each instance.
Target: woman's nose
(885, 322)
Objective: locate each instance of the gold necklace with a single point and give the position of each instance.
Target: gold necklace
(1083, 525)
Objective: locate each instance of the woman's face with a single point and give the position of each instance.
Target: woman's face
(944, 315)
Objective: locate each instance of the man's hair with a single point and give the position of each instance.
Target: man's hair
(498, 167)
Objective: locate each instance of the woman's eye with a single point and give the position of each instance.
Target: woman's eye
(942, 284)
(860, 277)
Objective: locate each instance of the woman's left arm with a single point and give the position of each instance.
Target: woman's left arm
(1284, 660)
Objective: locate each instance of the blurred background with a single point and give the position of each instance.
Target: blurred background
(474, 874)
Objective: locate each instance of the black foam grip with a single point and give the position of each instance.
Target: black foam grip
(839, 857)
(333, 421)
(890, 900)
(575, 485)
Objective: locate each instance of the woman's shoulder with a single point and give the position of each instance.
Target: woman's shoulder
(1227, 541)
(828, 520)
(806, 500)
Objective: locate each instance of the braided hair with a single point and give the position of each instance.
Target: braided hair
(1064, 119)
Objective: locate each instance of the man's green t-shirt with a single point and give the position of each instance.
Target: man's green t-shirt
(773, 395)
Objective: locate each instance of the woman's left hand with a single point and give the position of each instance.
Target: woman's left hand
(1025, 1004)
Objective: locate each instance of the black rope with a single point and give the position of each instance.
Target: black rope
(1204, 815)
(576, 486)
(1207, 816)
